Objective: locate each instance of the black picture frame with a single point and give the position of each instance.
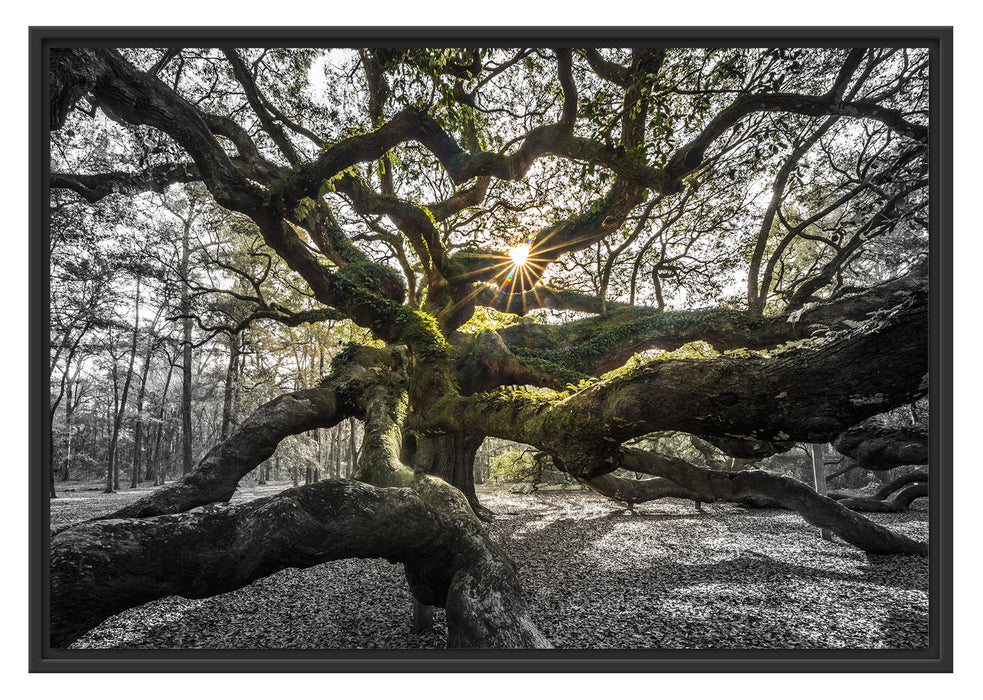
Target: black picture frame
(936, 658)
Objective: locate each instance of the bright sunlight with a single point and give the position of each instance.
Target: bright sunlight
(519, 254)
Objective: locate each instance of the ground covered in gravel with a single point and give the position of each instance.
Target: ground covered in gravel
(595, 576)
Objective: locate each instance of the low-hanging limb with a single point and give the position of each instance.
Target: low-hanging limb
(633, 491)
(604, 342)
(104, 567)
(429, 527)
(880, 448)
(713, 485)
(554, 356)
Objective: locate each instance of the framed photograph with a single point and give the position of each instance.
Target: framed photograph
(472, 349)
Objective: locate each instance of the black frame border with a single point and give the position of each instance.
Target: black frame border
(938, 656)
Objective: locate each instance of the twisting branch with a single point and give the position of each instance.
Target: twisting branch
(101, 568)
(712, 485)
(92, 188)
(256, 101)
(216, 476)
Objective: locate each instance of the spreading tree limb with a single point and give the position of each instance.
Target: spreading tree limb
(340, 396)
(104, 567)
(823, 512)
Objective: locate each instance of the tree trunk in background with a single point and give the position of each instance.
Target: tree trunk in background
(66, 463)
(51, 472)
(186, 434)
(153, 465)
(319, 435)
(112, 470)
(69, 407)
(352, 449)
(449, 457)
(334, 456)
(819, 478)
(231, 383)
(71, 403)
(138, 422)
(479, 476)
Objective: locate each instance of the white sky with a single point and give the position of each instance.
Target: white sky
(969, 250)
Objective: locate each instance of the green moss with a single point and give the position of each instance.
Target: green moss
(485, 318)
(553, 361)
(374, 276)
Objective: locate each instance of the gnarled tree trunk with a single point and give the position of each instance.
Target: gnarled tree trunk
(449, 457)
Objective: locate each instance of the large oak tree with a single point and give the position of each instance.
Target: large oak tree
(570, 248)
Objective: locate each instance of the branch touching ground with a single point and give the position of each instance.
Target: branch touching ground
(917, 483)
(216, 476)
(214, 480)
(633, 491)
(103, 567)
(712, 485)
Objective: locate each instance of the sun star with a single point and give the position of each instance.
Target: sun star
(519, 254)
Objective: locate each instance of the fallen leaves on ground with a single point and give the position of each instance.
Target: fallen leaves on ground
(595, 576)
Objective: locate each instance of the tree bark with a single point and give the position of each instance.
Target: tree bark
(633, 491)
(880, 448)
(449, 457)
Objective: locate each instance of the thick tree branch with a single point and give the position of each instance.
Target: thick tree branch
(608, 70)
(711, 485)
(880, 448)
(101, 568)
(216, 476)
(140, 98)
(92, 188)
(256, 101)
(806, 394)
(596, 345)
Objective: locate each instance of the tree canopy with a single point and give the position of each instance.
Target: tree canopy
(571, 248)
